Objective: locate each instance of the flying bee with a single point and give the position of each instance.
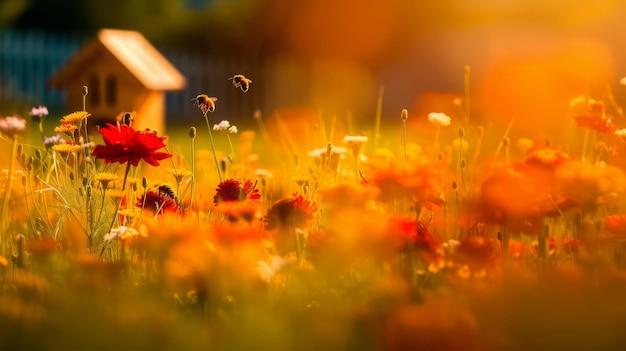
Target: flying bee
(240, 81)
(205, 103)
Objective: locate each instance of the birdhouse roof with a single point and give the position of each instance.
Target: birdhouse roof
(134, 52)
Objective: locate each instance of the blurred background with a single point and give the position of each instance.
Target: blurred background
(528, 58)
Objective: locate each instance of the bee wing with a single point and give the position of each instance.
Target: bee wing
(213, 98)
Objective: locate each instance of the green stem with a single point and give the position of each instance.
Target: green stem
(232, 149)
(217, 165)
(40, 126)
(117, 207)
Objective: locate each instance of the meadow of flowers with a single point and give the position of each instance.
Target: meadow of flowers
(111, 239)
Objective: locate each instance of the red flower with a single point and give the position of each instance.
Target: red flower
(571, 245)
(414, 234)
(477, 251)
(159, 200)
(291, 211)
(595, 122)
(125, 144)
(236, 190)
(419, 181)
(615, 224)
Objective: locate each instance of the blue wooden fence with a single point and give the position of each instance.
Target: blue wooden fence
(28, 59)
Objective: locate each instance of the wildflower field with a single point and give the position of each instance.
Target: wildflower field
(319, 237)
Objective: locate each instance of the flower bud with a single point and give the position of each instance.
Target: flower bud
(404, 115)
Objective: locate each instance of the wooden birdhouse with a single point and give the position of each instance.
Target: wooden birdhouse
(123, 72)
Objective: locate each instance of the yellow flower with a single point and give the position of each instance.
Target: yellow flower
(105, 178)
(130, 212)
(75, 117)
(178, 173)
(300, 179)
(65, 128)
(64, 148)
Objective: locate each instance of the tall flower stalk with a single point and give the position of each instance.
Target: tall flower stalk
(217, 165)
(206, 105)
(404, 115)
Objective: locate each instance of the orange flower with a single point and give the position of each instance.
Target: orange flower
(586, 183)
(347, 194)
(550, 158)
(232, 233)
(235, 210)
(418, 180)
(508, 192)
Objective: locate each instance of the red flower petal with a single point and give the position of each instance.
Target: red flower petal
(125, 144)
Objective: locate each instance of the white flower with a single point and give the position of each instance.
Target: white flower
(263, 173)
(267, 270)
(335, 150)
(122, 232)
(354, 139)
(439, 119)
(621, 133)
(11, 125)
(39, 111)
(222, 126)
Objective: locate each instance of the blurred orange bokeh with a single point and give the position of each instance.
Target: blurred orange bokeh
(534, 82)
